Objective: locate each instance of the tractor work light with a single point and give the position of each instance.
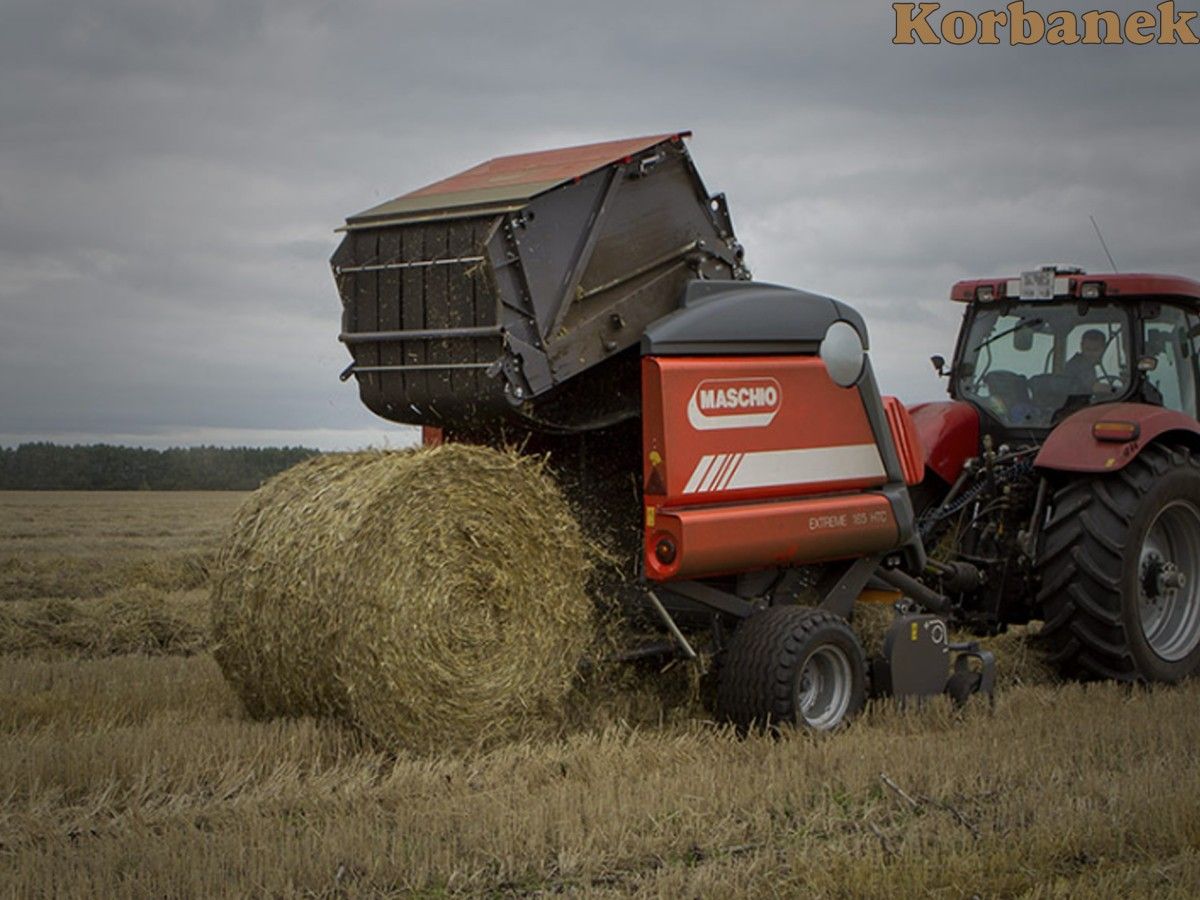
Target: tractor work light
(1116, 432)
(985, 293)
(1091, 290)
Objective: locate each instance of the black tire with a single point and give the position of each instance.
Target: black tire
(776, 663)
(1102, 571)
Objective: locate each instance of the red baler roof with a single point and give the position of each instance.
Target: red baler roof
(511, 180)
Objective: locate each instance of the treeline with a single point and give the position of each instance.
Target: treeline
(103, 467)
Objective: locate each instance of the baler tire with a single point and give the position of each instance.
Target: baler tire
(1094, 565)
(776, 663)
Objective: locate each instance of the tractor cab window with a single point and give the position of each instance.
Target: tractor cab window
(1168, 359)
(1030, 364)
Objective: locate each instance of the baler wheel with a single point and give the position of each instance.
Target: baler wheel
(1120, 567)
(791, 665)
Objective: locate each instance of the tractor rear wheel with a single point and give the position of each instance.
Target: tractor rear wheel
(1120, 569)
(791, 665)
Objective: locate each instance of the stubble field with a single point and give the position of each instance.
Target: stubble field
(127, 767)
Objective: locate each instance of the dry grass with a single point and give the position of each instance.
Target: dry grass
(103, 524)
(77, 544)
(137, 776)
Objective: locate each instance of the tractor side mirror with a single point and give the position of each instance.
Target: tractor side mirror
(939, 364)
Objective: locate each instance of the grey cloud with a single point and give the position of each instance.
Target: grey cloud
(171, 173)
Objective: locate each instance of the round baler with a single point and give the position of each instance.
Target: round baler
(724, 439)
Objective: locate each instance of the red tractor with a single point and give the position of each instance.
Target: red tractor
(1063, 477)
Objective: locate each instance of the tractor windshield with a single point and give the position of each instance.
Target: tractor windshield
(1028, 364)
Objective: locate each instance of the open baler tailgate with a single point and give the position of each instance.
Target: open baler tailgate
(476, 300)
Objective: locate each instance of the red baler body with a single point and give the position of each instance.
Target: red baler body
(756, 461)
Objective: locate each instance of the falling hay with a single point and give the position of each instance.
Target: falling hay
(433, 598)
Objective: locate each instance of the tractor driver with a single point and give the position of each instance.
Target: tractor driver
(1081, 368)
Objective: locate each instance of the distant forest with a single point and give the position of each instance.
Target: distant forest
(103, 467)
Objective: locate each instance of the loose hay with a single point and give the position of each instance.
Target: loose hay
(136, 619)
(432, 598)
(70, 577)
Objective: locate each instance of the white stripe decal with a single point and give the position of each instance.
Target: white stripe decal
(718, 467)
(737, 461)
(694, 482)
(772, 468)
(777, 467)
(709, 463)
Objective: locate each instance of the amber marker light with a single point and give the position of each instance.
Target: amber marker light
(1117, 432)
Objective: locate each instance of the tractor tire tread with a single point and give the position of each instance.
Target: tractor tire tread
(1083, 548)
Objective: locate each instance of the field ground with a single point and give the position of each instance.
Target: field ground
(128, 769)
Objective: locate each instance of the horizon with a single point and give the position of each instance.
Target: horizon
(328, 442)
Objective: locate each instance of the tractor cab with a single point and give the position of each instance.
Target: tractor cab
(1035, 349)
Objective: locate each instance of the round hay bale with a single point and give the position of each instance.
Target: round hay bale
(276, 592)
(432, 598)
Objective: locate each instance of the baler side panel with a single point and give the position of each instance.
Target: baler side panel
(814, 438)
(648, 233)
(553, 233)
(756, 461)
(651, 219)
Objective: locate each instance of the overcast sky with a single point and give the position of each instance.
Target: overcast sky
(171, 174)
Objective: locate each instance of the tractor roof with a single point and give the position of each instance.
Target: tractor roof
(507, 182)
(1051, 283)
